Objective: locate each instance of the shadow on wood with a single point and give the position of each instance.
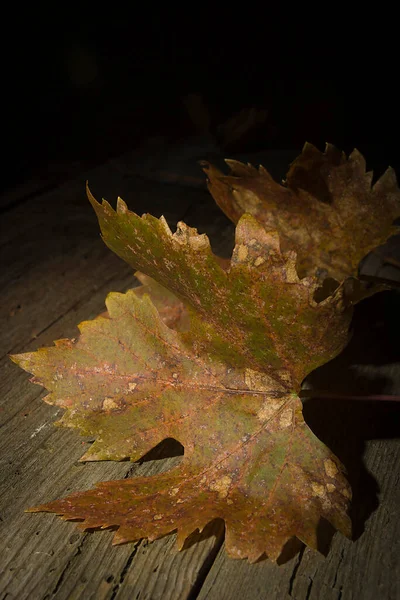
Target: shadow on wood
(215, 528)
(168, 448)
(369, 366)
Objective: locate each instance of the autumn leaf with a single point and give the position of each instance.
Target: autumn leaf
(225, 386)
(327, 210)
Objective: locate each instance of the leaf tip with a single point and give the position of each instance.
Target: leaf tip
(122, 207)
(90, 196)
(388, 181)
(15, 358)
(358, 159)
(23, 360)
(119, 538)
(36, 509)
(164, 225)
(181, 537)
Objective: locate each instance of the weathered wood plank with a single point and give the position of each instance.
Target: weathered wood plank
(160, 572)
(60, 258)
(67, 202)
(229, 579)
(52, 240)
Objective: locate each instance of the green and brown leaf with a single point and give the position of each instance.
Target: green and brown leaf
(327, 210)
(217, 367)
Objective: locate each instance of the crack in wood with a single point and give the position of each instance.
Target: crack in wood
(294, 573)
(205, 569)
(341, 556)
(125, 570)
(308, 592)
(69, 564)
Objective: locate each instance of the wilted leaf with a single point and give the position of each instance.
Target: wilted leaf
(226, 388)
(327, 210)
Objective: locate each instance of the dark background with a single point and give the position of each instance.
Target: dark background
(78, 90)
(85, 88)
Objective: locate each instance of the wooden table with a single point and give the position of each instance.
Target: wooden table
(56, 272)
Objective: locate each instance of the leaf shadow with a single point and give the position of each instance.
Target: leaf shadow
(168, 448)
(313, 183)
(215, 528)
(369, 365)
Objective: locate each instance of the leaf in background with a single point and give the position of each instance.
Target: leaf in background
(327, 210)
(226, 388)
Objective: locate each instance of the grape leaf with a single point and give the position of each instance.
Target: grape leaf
(327, 210)
(225, 386)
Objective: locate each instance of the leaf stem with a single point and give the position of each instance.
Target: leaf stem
(337, 396)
